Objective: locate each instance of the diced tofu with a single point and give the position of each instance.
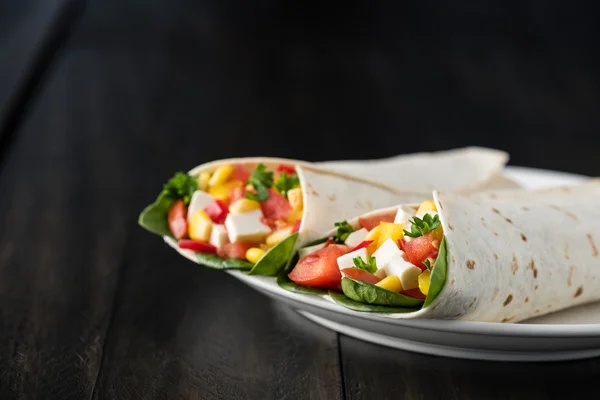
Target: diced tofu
(356, 237)
(388, 250)
(199, 200)
(408, 273)
(310, 249)
(218, 235)
(403, 215)
(246, 226)
(345, 261)
(380, 273)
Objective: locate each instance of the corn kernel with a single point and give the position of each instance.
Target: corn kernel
(243, 205)
(223, 191)
(294, 216)
(220, 175)
(391, 283)
(295, 198)
(424, 280)
(200, 226)
(203, 179)
(253, 254)
(374, 236)
(426, 206)
(278, 236)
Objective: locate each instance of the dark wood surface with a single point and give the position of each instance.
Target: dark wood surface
(92, 306)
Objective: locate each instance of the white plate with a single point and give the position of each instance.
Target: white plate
(565, 335)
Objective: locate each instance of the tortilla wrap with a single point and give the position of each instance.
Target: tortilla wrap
(513, 255)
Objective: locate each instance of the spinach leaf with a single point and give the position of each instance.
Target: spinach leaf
(364, 292)
(215, 262)
(342, 300)
(438, 275)
(276, 258)
(286, 283)
(316, 241)
(154, 218)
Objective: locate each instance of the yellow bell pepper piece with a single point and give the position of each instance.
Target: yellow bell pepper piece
(424, 280)
(221, 175)
(278, 236)
(388, 230)
(203, 179)
(426, 206)
(200, 226)
(243, 205)
(254, 254)
(391, 283)
(374, 236)
(222, 192)
(294, 215)
(295, 198)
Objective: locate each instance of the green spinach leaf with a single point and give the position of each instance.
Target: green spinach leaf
(364, 292)
(276, 258)
(342, 300)
(154, 218)
(438, 274)
(215, 262)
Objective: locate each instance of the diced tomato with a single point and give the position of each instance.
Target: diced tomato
(371, 222)
(329, 242)
(217, 211)
(416, 293)
(320, 268)
(240, 173)
(269, 222)
(238, 192)
(363, 244)
(288, 169)
(418, 249)
(197, 246)
(276, 206)
(234, 250)
(361, 275)
(296, 227)
(178, 219)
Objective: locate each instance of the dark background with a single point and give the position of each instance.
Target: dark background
(101, 100)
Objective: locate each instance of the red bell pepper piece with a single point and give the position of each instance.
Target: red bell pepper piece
(288, 169)
(296, 227)
(199, 247)
(217, 211)
(363, 244)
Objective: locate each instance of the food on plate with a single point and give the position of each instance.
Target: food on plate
(501, 256)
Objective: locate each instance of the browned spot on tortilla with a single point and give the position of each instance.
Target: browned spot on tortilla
(525, 208)
(514, 265)
(473, 302)
(483, 219)
(331, 197)
(496, 210)
(536, 287)
(537, 310)
(453, 260)
(467, 242)
(508, 220)
(440, 205)
(508, 300)
(453, 280)
(495, 233)
(567, 247)
(496, 256)
(523, 237)
(507, 319)
(526, 299)
(571, 269)
(593, 244)
(450, 227)
(567, 213)
(531, 265)
(470, 264)
(578, 292)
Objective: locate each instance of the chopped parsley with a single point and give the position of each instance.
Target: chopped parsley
(370, 266)
(181, 186)
(260, 180)
(286, 183)
(343, 230)
(420, 227)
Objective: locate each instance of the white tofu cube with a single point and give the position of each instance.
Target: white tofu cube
(388, 250)
(356, 237)
(403, 215)
(218, 235)
(309, 250)
(405, 271)
(199, 200)
(246, 226)
(345, 261)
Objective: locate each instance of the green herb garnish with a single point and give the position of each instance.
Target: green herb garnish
(343, 230)
(420, 227)
(370, 266)
(286, 183)
(427, 264)
(260, 180)
(181, 186)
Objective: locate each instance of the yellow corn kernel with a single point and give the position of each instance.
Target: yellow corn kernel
(438, 234)
(374, 236)
(426, 206)
(388, 230)
(203, 179)
(278, 236)
(294, 216)
(222, 192)
(200, 226)
(424, 280)
(254, 254)
(295, 198)
(391, 283)
(243, 205)
(220, 175)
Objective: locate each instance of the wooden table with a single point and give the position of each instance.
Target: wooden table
(101, 101)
